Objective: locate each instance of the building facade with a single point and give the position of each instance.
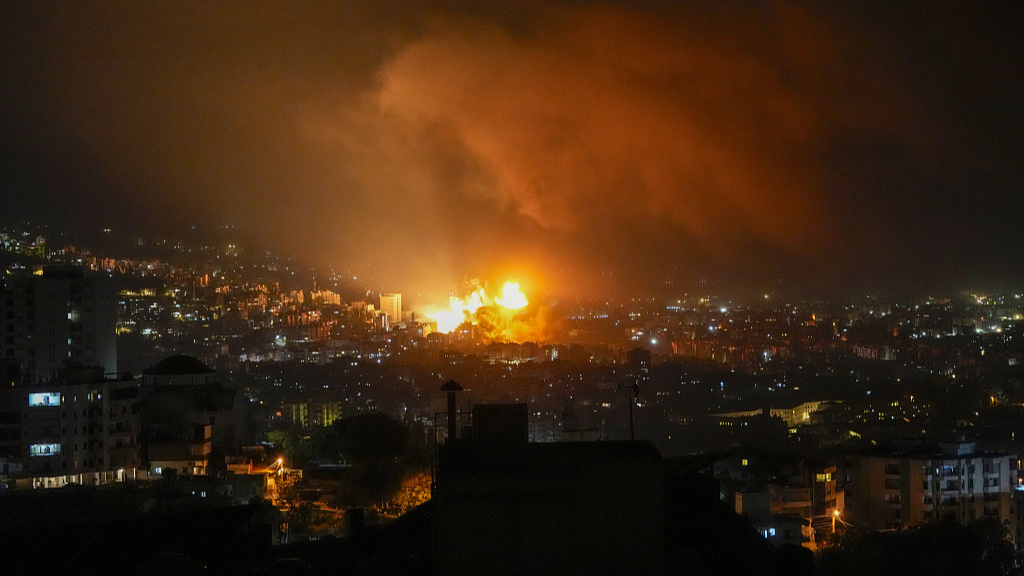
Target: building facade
(391, 305)
(82, 429)
(54, 317)
(896, 489)
(189, 420)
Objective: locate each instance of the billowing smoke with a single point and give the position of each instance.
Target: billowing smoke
(539, 324)
(600, 143)
(588, 146)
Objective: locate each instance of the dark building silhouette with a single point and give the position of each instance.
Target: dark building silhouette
(178, 369)
(505, 506)
(189, 420)
(54, 317)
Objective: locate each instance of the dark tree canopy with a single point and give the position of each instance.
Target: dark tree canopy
(368, 436)
(936, 548)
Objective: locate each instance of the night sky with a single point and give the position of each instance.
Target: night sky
(582, 148)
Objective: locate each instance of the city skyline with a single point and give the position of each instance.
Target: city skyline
(579, 148)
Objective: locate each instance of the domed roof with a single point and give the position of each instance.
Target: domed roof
(178, 365)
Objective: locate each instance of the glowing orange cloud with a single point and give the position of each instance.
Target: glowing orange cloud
(603, 115)
(591, 137)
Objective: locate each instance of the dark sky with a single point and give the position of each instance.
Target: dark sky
(591, 148)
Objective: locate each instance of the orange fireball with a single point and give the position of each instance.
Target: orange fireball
(463, 309)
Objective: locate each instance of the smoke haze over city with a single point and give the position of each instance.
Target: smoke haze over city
(579, 147)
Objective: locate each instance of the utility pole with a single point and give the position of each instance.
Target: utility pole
(450, 388)
(633, 390)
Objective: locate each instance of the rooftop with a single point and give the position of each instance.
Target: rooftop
(178, 365)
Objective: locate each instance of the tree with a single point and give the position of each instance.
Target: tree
(939, 548)
(374, 446)
(367, 436)
(297, 450)
(998, 555)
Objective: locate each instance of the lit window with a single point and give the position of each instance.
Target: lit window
(44, 399)
(43, 449)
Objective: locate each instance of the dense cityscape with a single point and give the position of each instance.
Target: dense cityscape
(805, 413)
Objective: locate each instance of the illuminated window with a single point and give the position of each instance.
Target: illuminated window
(44, 399)
(43, 449)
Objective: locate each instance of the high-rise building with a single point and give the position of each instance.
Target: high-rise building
(391, 304)
(56, 317)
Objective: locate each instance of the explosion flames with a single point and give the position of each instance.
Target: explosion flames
(495, 314)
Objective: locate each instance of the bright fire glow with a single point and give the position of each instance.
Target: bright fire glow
(511, 297)
(463, 309)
